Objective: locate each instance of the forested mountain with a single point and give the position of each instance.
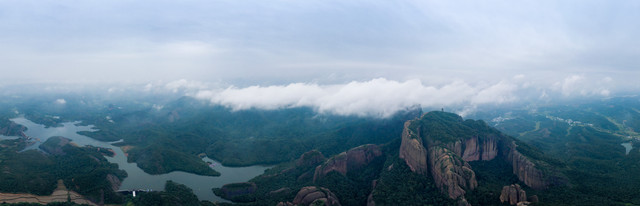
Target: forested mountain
(570, 154)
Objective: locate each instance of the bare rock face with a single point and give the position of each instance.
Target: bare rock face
(525, 169)
(412, 150)
(472, 150)
(315, 196)
(450, 173)
(513, 194)
(353, 159)
(444, 154)
(487, 149)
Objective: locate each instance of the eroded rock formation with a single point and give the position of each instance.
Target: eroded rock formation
(450, 173)
(486, 150)
(513, 194)
(525, 169)
(445, 158)
(412, 150)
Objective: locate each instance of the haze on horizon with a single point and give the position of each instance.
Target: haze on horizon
(345, 57)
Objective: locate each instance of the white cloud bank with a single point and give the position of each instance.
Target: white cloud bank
(382, 97)
(61, 101)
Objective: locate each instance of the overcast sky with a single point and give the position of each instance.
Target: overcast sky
(501, 48)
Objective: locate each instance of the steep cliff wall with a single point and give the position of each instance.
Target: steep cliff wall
(412, 150)
(487, 149)
(441, 144)
(451, 174)
(524, 168)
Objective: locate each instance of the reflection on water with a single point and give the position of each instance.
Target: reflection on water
(2, 137)
(138, 179)
(627, 146)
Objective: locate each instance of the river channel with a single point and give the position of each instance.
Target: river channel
(138, 179)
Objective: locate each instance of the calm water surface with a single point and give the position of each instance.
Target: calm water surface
(627, 146)
(138, 179)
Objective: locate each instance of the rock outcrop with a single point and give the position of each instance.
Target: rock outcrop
(525, 169)
(314, 196)
(412, 150)
(513, 194)
(351, 160)
(451, 174)
(486, 150)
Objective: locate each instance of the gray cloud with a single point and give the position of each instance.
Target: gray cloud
(280, 42)
(345, 57)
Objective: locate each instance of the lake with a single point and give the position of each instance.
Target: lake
(627, 146)
(138, 179)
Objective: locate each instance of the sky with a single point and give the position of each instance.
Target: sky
(362, 57)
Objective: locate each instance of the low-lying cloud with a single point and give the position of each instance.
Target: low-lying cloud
(382, 97)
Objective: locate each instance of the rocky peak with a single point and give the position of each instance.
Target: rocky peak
(441, 144)
(513, 194)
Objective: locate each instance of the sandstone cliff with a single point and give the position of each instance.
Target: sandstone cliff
(513, 194)
(441, 144)
(451, 174)
(524, 168)
(412, 150)
(487, 149)
(351, 160)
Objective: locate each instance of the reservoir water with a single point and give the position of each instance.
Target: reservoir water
(138, 179)
(627, 146)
